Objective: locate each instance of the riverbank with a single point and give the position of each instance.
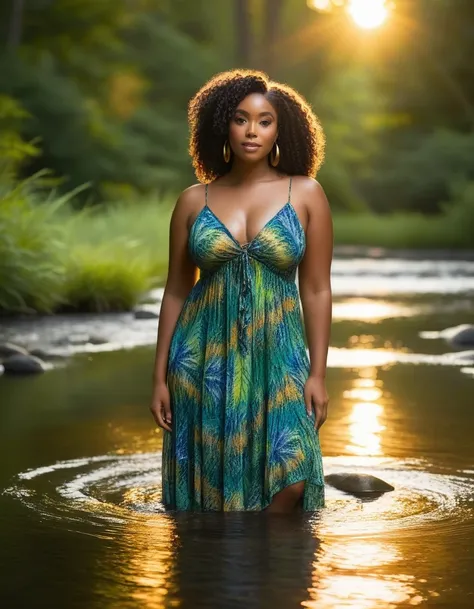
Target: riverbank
(105, 259)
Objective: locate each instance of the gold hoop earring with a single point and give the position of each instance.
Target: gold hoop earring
(275, 156)
(226, 151)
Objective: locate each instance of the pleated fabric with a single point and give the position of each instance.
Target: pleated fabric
(236, 372)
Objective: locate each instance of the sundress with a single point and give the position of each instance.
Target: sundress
(236, 371)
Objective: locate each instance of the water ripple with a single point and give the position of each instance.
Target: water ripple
(109, 490)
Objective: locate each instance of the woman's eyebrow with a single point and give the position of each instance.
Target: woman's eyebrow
(266, 112)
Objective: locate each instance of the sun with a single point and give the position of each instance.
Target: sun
(368, 14)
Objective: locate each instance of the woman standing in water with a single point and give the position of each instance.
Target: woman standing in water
(239, 399)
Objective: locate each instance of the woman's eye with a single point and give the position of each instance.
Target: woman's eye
(266, 123)
(238, 119)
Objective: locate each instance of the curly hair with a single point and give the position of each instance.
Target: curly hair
(300, 136)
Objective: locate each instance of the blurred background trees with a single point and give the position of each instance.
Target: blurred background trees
(105, 87)
(96, 93)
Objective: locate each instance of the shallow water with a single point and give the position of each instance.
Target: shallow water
(81, 521)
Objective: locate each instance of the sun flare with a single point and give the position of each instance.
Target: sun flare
(368, 14)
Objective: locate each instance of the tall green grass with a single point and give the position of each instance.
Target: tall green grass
(53, 259)
(31, 251)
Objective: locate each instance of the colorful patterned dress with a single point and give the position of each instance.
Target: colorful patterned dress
(236, 372)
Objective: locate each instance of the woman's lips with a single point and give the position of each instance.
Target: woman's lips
(249, 146)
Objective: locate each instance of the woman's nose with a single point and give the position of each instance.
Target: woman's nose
(251, 130)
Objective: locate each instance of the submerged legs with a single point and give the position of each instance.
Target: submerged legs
(287, 500)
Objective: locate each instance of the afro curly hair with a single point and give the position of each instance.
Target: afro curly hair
(300, 136)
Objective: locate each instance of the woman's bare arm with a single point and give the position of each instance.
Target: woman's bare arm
(314, 279)
(180, 280)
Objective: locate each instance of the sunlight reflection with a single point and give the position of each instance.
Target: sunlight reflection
(365, 429)
(364, 424)
(147, 562)
(360, 553)
(362, 592)
(350, 573)
(366, 309)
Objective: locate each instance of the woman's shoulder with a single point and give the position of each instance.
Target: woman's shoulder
(311, 195)
(189, 203)
(306, 184)
(192, 193)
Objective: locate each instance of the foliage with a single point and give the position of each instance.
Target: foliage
(31, 249)
(421, 174)
(53, 259)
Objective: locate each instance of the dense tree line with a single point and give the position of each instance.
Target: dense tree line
(97, 92)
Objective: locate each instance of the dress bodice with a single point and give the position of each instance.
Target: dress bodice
(279, 245)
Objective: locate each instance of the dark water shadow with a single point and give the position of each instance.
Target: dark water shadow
(250, 560)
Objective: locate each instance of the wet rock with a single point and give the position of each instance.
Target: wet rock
(8, 349)
(71, 339)
(358, 484)
(95, 339)
(464, 337)
(79, 339)
(461, 336)
(146, 313)
(23, 364)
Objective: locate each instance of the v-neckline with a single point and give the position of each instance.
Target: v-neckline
(244, 246)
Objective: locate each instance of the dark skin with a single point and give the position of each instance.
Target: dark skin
(244, 200)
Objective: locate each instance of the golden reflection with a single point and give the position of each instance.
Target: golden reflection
(147, 561)
(369, 309)
(364, 426)
(353, 573)
(365, 429)
(360, 553)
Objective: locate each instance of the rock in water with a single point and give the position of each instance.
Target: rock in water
(144, 312)
(23, 364)
(464, 337)
(358, 484)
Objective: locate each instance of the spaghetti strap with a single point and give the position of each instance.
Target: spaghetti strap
(289, 189)
(207, 186)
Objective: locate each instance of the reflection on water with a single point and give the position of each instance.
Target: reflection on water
(353, 554)
(351, 573)
(364, 419)
(374, 310)
(145, 563)
(81, 485)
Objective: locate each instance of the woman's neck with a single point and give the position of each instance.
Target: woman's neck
(245, 173)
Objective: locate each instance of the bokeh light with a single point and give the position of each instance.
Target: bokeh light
(368, 14)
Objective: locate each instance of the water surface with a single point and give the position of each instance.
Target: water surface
(81, 520)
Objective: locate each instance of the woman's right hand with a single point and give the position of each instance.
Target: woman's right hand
(160, 407)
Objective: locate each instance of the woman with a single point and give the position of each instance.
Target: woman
(239, 399)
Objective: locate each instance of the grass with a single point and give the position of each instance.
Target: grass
(399, 231)
(52, 259)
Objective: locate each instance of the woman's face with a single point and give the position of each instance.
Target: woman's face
(253, 129)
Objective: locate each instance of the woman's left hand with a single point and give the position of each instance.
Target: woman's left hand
(316, 398)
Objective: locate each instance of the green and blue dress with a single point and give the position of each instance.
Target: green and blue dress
(236, 373)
